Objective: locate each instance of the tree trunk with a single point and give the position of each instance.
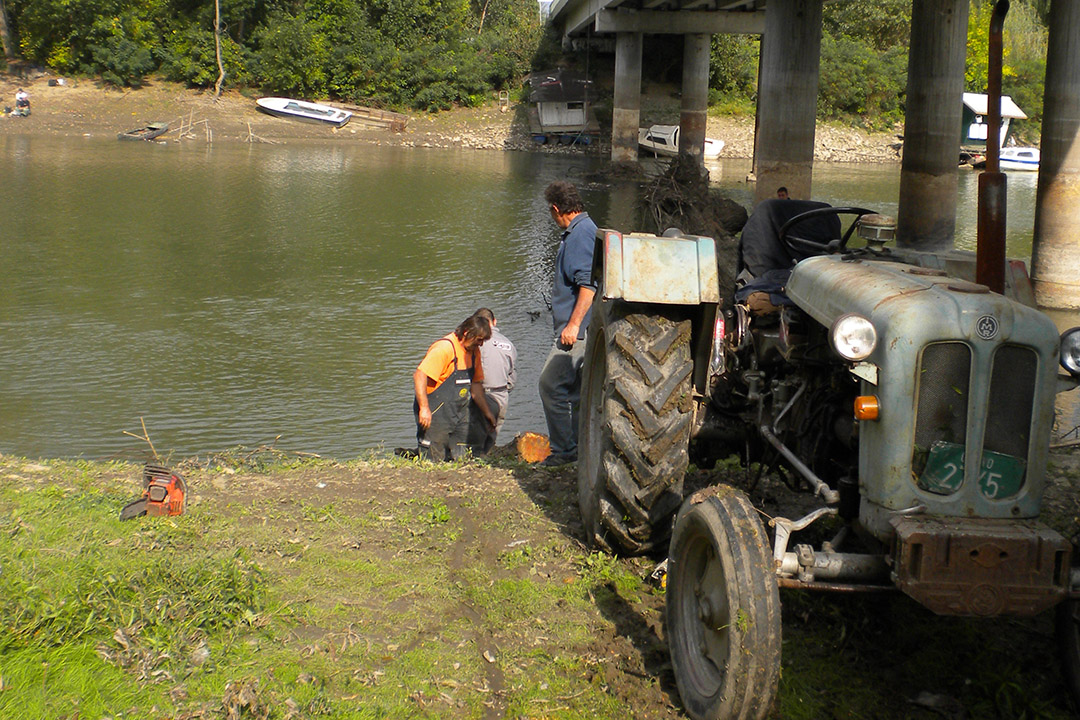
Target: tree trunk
(5, 33)
(217, 49)
(483, 15)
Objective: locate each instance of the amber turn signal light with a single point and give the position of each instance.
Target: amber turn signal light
(866, 407)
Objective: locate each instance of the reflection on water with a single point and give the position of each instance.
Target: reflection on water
(231, 294)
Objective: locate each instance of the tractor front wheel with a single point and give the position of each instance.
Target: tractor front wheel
(1067, 621)
(723, 608)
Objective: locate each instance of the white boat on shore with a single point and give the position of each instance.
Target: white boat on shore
(300, 110)
(1019, 158)
(664, 140)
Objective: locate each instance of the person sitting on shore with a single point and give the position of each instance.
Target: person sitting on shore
(22, 102)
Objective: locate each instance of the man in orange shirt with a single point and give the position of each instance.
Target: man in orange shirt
(446, 378)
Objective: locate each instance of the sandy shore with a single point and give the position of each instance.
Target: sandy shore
(85, 107)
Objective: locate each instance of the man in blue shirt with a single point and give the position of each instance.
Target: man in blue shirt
(571, 307)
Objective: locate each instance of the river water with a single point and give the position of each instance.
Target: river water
(252, 294)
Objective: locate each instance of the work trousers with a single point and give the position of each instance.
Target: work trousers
(482, 437)
(560, 392)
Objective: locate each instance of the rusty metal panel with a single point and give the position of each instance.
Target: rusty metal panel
(666, 270)
(956, 566)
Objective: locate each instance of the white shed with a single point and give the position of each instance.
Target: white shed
(561, 106)
(974, 128)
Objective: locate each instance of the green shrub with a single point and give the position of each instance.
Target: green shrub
(292, 57)
(121, 62)
(857, 80)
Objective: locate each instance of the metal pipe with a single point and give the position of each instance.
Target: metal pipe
(990, 238)
(832, 587)
(820, 486)
(782, 413)
(845, 566)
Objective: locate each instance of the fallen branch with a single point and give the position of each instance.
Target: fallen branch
(145, 436)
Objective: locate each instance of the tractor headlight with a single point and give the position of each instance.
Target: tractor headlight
(853, 337)
(1070, 350)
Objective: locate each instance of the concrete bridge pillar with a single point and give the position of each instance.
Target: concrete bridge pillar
(926, 218)
(626, 113)
(1056, 254)
(787, 98)
(695, 96)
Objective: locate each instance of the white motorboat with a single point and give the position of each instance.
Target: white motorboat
(664, 140)
(300, 110)
(1019, 158)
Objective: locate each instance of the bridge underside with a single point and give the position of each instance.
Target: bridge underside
(787, 103)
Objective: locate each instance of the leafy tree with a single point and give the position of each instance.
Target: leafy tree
(882, 25)
(292, 56)
(864, 52)
(189, 57)
(857, 80)
(733, 65)
(120, 47)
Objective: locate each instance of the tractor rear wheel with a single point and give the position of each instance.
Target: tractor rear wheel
(635, 431)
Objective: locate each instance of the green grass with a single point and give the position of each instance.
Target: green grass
(455, 594)
(279, 603)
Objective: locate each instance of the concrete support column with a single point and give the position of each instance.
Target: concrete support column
(926, 218)
(1056, 254)
(695, 96)
(787, 98)
(626, 113)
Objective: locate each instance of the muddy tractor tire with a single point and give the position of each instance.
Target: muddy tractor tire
(723, 608)
(636, 413)
(1067, 621)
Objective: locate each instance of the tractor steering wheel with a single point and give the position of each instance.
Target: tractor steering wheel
(798, 247)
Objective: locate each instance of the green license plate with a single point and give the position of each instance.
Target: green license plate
(1000, 475)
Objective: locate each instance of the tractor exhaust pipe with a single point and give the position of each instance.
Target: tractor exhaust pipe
(990, 238)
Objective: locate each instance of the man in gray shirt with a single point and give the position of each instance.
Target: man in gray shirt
(498, 357)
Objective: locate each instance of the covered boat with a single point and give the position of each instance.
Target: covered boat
(1024, 159)
(664, 140)
(1019, 158)
(149, 132)
(300, 110)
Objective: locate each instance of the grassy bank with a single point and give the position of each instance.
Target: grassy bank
(382, 588)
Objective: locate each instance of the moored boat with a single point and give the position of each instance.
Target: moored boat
(664, 140)
(1023, 159)
(300, 110)
(149, 132)
(1019, 158)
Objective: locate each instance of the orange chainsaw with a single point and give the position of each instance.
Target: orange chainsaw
(164, 492)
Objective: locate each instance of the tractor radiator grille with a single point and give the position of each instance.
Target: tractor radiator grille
(1012, 398)
(942, 417)
(941, 413)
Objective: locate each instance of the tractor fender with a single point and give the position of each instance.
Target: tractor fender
(644, 268)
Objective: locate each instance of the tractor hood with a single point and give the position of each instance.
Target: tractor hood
(956, 364)
(906, 302)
